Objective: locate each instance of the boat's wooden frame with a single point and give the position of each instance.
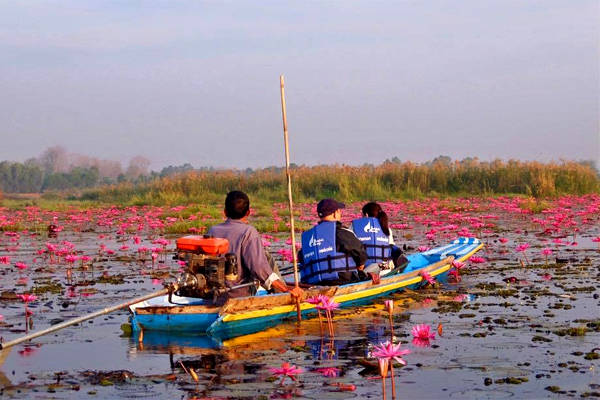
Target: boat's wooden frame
(240, 316)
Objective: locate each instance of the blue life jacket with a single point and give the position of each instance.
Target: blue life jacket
(321, 260)
(368, 231)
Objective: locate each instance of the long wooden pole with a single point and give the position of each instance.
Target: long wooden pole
(289, 189)
(77, 320)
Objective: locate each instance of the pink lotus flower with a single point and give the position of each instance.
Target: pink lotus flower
(71, 258)
(422, 331)
(422, 249)
(546, 277)
(5, 260)
(330, 372)
(455, 275)
(328, 304)
(390, 351)
(547, 251)
(522, 247)
(458, 264)
(21, 265)
(124, 248)
(137, 240)
(596, 239)
(427, 277)
(389, 306)
(503, 240)
(27, 297)
(461, 297)
(286, 370)
(477, 260)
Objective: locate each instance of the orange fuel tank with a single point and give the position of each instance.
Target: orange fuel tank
(200, 244)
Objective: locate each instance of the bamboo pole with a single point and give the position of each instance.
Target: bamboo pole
(77, 320)
(289, 189)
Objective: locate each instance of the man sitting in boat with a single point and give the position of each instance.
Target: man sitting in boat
(374, 233)
(246, 243)
(332, 254)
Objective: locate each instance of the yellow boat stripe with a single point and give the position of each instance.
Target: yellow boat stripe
(468, 255)
(341, 298)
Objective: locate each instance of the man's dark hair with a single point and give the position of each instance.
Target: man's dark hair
(237, 204)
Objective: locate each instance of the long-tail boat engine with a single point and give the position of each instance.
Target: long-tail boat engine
(209, 267)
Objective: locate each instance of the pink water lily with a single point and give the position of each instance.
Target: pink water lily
(389, 306)
(454, 274)
(427, 277)
(458, 264)
(328, 304)
(477, 260)
(422, 249)
(27, 297)
(522, 247)
(461, 297)
(422, 331)
(390, 351)
(5, 260)
(21, 265)
(286, 371)
(330, 372)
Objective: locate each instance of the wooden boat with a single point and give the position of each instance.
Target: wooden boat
(245, 315)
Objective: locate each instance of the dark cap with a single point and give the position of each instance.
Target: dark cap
(328, 206)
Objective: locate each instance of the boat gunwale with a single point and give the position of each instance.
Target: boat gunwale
(342, 290)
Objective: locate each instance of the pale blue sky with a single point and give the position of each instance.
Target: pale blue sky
(198, 82)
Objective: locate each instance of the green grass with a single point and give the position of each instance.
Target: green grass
(388, 181)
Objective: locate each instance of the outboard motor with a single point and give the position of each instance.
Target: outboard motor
(209, 266)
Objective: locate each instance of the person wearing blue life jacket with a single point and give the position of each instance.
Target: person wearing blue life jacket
(331, 254)
(374, 233)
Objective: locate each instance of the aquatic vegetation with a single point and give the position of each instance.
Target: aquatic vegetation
(427, 277)
(286, 371)
(422, 331)
(390, 352)
(328, 305)
(522, 248)
(111, 252)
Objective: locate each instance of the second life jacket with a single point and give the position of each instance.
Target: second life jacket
(321, 260)
(368, 231)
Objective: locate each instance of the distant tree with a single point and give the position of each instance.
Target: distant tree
(138, 166)
(443, 160)
(172, 170)
(78, 177)
(54, 159)
(20, 178)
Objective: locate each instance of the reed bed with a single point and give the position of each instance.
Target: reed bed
(354, 183)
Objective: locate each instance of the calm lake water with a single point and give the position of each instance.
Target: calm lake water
(508, 338)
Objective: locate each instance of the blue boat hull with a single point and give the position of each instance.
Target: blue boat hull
(196, 319)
